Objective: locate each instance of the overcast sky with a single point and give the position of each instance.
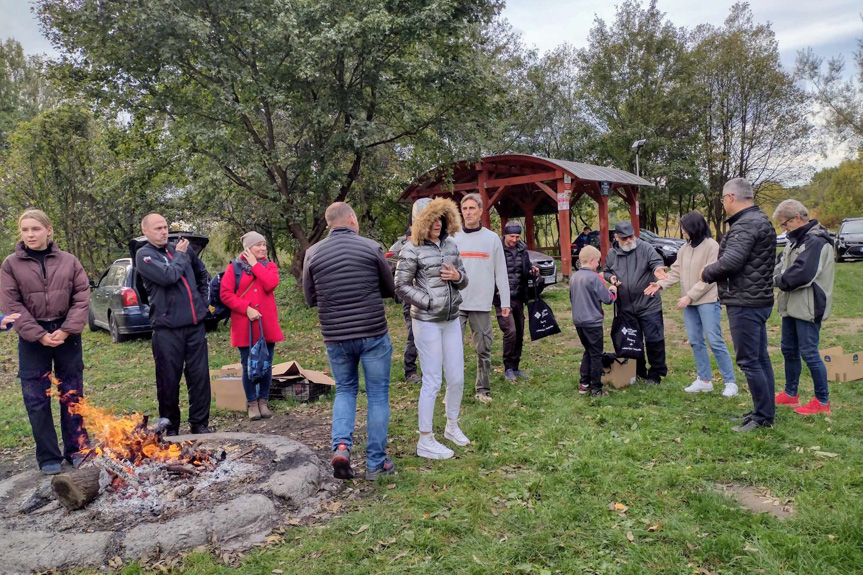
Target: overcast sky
(830, 27)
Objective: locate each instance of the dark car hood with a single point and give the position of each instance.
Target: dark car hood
(669, 242)
(850, 237)
(196, 241)
(539, 256)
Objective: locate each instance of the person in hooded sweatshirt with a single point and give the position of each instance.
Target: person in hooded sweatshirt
(430, 276)
(700, 304)
(804, 276)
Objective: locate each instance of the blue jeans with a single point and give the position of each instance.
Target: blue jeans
(749, 333)
(703, 320)
(345, 358)
(260, 389)
(800, 339)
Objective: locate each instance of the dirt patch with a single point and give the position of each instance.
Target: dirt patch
(757, 500)
(846, 325)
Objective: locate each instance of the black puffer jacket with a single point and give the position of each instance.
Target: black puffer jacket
(347, 276)
(747, 255)
(517, 270)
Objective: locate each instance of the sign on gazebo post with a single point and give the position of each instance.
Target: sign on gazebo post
(564, 189)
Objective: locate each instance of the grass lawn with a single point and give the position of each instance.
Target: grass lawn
(535, 493)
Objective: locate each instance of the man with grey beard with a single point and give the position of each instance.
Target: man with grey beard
(631, 266)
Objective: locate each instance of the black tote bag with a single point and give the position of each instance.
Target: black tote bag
(540, 318)
(625, 335)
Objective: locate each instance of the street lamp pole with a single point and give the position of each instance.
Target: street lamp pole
(637, 145)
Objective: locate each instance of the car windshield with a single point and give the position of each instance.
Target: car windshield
(852, 227)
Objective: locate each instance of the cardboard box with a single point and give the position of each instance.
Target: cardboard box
(294, 369)
(234, 369)
(620, 374)
(229, 393)
(842, 366)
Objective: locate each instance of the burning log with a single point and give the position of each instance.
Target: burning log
(118, 470)
(75, 490)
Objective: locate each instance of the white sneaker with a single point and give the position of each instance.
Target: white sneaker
(430, 448)
(730, 390)
(454, 433)
(699, 385)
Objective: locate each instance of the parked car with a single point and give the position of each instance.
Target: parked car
(849, 240)
(545, 263)
(118, 300)
(665, 247)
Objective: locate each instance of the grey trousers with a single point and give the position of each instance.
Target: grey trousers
(480, 325)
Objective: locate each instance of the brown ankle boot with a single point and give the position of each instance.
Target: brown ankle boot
(264, 409)
(254, 411)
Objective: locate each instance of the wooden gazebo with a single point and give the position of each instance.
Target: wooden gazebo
(518, 185)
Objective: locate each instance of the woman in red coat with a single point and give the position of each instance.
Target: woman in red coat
(252, 301)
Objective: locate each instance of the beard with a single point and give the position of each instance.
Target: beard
(627, 247)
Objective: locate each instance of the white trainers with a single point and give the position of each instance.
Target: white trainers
(730, 390)
(430, 448)
(699, 386)
(454, 433)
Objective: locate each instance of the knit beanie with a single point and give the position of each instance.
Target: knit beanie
(512, 228)
(252, 238)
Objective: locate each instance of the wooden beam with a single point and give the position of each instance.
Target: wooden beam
(496, 196)
(485, 218)
(529, 179)
(551, 193)
(445, 189)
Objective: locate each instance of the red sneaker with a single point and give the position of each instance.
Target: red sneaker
(785, 399)
(813, 407)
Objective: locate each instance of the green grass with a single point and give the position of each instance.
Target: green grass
(532, 495)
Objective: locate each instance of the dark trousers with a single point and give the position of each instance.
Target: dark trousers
(513, 334)
(178, 351)
(259, 389)
(36, 363)
(591, 362)
(410, 346)
(749, 334)
(653, 328)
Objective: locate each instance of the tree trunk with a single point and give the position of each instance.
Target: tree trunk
(76, 489)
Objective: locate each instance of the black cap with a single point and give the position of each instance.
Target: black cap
(624, 229)
(512, 228)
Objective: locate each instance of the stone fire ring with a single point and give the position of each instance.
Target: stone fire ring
(299, 482)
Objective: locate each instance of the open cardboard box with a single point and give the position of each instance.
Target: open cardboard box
(842, 366)
(619, 375)
(227, 387)
(229, 393)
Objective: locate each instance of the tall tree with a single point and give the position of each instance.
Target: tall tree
(24, 88)
(753, 119)
(286, 97)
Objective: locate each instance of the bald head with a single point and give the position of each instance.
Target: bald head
(155, 228)
(341, 215)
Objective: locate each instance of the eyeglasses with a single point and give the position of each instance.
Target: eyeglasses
(785, 223)
(726, 196)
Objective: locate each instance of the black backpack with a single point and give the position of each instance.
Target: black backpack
(220, 310)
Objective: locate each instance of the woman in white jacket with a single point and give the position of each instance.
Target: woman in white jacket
(700, 304)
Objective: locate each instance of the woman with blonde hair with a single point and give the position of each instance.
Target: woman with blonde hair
(50, 292)
(429, 276)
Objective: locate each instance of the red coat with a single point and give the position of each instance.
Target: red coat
(260, 297)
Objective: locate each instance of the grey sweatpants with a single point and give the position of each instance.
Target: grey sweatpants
(480, 325)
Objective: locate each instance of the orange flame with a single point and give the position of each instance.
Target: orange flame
(123, 439)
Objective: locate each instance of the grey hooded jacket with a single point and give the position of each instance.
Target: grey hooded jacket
(418, 280)
(804, 274)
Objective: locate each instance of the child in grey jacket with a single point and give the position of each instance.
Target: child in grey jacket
(587, 293)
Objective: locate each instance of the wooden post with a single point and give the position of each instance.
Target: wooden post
(563, 191)
(604, 243)
(633, 209)
(485, 219)
(528, 225)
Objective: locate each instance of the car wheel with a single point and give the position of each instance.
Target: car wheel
(91, 321)
(114, 329)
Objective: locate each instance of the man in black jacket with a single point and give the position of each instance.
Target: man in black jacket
(744, 275)
(631, 265)
(518, 270)
(176, 282)
(347, 276)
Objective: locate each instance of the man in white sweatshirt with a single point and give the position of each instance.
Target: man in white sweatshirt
(485, 265)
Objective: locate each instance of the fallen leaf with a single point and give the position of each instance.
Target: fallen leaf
(277, 571)
(495, 512)
(831, 537)
(691, 546)
(678, 440)
(656, 527)
(477, 561)
(750, 548)
(704, 571)
(399, 556)
(360, 530)
(619, 507)
(630, 536)
(391, 486)
(826, 454)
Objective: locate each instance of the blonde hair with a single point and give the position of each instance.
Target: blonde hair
(588, 253)
(40, 217)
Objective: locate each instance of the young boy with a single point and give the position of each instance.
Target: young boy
(587, 293)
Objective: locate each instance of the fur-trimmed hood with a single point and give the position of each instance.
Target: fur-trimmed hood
(436, 209)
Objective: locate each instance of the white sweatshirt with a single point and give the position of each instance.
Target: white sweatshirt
(485, 264)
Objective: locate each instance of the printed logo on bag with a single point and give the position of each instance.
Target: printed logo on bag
(537, 315)
(628, 332)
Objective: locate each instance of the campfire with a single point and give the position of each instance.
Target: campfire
(128, 450)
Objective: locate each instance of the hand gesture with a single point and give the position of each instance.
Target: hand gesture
(249, 256)
(660, 273)
(449, 273)
(613, 290)
(534, 270)
(59, 336)
(182, 245)
(504, 311)
(684, 302)
(252, 314)
(9, 320)
(614, 281)
(652, 289)
(48, 341)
